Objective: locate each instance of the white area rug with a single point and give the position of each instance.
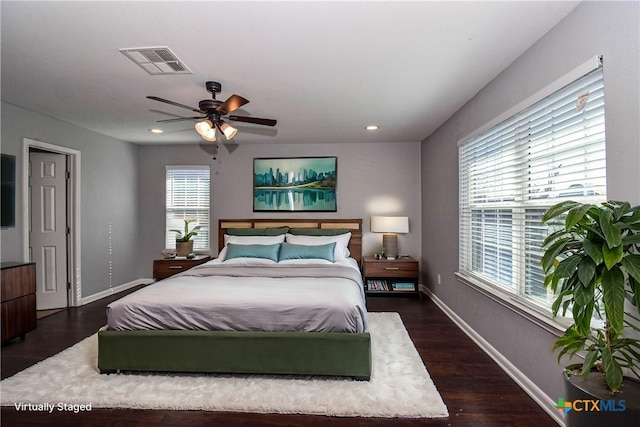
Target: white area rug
(400, 385)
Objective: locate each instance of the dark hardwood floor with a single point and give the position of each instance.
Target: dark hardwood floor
(476, 391)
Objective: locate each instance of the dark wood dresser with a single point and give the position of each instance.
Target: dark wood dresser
(18, 289)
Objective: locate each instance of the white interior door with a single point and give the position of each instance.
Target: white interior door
(48, 188)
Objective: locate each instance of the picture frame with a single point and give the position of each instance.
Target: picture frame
(295, 184)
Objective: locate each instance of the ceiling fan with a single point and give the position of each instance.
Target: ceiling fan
(212, 112)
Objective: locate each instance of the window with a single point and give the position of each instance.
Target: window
(187, 197)
(513, 172)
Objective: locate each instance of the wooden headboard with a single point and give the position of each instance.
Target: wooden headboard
(353, 225)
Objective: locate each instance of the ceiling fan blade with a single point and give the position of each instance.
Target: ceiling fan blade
(255, 120)
(166, 101)
(232, 103)
(180, 119)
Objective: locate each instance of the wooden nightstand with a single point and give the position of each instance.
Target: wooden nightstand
(390, 277)
(163, 268)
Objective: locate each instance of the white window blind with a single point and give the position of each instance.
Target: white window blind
(187, 192)
(510, 174)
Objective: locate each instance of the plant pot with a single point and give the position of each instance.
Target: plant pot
(184, 248)
(594, 405)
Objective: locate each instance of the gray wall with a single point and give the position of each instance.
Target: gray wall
(607, 28)
(109, 196)
(373, 178)
(123, 191)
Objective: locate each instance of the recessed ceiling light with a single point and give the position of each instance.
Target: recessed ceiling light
(372, 127)
(156, 130)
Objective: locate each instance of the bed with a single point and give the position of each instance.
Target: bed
(300, 312)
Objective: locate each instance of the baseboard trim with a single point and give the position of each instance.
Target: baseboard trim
(529, 387)
(111, 291)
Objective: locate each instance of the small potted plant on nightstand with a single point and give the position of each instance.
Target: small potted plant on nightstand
(184, 244)
(592, 264)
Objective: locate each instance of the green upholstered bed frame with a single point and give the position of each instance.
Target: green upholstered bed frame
(294, 353)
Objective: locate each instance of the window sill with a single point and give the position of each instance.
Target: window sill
(527, 310)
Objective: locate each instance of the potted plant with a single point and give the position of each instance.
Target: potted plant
(592, 264)
(184, 244)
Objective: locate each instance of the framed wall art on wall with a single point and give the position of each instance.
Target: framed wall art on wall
(296, 184)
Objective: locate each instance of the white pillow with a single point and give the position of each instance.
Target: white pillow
(253, 240)
(341, 251)
(222, 255)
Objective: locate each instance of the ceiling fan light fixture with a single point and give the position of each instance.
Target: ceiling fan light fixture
(211, 113)
(210, 135)
(204, 127)
(228, 130)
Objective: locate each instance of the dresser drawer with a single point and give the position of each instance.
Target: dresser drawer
(18, 317)
(18, 311)
(395, 268)
(18, 281)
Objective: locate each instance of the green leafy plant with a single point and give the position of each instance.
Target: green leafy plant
(592, 264)
(186, 235)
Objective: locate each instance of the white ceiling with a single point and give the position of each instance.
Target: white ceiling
(324, 70)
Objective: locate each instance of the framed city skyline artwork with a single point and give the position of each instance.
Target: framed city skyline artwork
(295, 184)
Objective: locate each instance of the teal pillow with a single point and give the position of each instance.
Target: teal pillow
(257, 231)
(291, 251)
(318, 231)
(253, 251)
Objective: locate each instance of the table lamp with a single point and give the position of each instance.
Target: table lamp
(390, 225)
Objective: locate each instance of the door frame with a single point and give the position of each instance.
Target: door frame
(73, 213)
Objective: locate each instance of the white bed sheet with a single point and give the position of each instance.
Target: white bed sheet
(225, 303)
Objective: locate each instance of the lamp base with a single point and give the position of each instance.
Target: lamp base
(390, 245)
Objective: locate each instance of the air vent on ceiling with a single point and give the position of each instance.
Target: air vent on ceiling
(156, 60)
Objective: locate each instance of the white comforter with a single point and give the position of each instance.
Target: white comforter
(282, 298)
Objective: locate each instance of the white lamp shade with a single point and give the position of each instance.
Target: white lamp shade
(203, 127)
(390, 224)
(228, 130)
(209, 135)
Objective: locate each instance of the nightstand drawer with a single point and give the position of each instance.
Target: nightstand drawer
(383, 268)
(163, 268)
